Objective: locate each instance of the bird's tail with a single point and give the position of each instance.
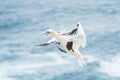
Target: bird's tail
(80, 60)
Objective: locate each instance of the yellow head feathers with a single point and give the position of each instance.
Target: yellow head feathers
(52, 32)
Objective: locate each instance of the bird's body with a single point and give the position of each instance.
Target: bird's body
(71, 41)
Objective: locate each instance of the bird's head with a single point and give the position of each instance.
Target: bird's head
(52, 32)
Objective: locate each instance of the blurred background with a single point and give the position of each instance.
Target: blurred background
(22, 22)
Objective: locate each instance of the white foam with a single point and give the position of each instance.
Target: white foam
(112, 67)
(29, 64)
(90, 58)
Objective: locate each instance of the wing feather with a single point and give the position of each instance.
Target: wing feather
(51, 41)
(79, 36)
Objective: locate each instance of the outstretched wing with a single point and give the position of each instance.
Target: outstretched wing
(79, 36)
(72, 32)
(51, 41)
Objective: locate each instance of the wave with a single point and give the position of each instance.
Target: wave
(55, 64)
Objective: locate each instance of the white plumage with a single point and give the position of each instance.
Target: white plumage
(71, 41)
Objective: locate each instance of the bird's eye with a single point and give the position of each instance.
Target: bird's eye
(48, 32)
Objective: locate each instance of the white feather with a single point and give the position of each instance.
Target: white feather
(78, 38)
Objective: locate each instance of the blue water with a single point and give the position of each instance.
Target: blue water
(22, 22)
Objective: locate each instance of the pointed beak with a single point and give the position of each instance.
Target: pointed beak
(44, 33)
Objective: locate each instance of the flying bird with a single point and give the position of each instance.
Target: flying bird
(71, 41)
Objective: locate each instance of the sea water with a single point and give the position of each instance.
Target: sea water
(22, 22)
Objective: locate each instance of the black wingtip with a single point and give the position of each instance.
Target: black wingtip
(61, 50)
(37, 45)
(45, 44)
(77, 25)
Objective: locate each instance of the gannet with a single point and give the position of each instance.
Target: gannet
(70, 41)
